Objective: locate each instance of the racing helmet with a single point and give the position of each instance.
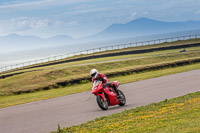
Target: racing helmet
(94, 73)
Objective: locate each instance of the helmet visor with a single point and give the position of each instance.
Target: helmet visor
(93, 74)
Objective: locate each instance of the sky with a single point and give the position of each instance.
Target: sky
(80, 18)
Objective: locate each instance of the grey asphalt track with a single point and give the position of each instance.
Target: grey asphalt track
(44, 116)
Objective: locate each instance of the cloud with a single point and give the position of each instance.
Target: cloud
(133, 14)
(86, 16)
(40, 4)
(83, 11)
(198, 12)
(20, 24)
(71, 23)
(25, 24)
(145, 13)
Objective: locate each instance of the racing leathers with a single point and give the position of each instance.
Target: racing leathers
(105, 81)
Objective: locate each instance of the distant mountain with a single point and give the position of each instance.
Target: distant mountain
(60, 38)
(16, 36)
(145, 26)
(34, 38)
(18, 42)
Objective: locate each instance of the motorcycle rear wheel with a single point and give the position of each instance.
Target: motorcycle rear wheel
(103, 104)
(122, 98)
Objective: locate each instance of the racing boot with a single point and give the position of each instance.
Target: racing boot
(116, 90)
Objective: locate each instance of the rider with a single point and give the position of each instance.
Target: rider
(99, 76)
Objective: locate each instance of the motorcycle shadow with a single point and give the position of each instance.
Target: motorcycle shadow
(116, 107)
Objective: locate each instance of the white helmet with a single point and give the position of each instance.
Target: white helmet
(94, 73)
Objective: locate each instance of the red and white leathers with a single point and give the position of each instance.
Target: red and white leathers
(104, 80)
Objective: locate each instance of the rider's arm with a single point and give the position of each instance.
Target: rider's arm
(105, 79)
(93, 80)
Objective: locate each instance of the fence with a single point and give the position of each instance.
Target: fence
(100, 49)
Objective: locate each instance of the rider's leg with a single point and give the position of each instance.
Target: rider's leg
(114, 87)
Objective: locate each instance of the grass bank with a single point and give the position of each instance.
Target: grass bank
(7, 101)
(177, 115)
(155, 53)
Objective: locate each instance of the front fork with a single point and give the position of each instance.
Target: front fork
(102, 95)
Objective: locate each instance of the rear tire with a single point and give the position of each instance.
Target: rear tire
(102, 104)
(122, 98)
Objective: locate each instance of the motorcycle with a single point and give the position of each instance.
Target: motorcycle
(106, 96)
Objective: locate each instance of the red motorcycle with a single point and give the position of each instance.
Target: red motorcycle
(106, 96)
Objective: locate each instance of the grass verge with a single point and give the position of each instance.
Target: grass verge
(177, 115)
(7, 101)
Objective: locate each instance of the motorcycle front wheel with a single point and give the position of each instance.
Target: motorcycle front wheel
(103, 104)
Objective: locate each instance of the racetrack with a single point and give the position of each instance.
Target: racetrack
(44, 116)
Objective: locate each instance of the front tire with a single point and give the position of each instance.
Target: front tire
(103, 104)
(122, 99)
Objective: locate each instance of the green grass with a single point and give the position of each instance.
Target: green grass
(177, 115)
(34, 80)
(77, 88)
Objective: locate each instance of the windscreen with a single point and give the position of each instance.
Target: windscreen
(96, 82)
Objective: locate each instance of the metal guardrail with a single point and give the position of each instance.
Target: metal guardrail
(99, 49)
